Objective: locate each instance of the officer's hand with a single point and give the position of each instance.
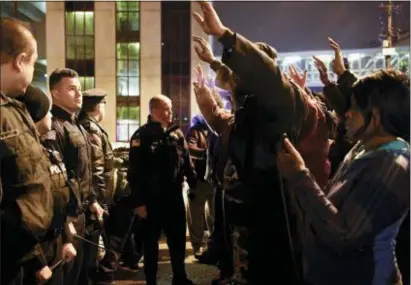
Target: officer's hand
(141, 212)
(68, 252)
(43, 275)
(289, 160)
(97, 210)
(191, 195)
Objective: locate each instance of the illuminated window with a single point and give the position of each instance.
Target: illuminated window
(128, 68)
(79, 16)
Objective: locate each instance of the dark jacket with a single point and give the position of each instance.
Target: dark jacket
(27, 202)
(102, 159)
(274, 106)
(197, 145)
(73, 145)
(158, 161)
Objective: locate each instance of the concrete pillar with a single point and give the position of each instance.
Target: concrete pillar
(150, 55)
(197, 31)
(105, 59)
(55, 36)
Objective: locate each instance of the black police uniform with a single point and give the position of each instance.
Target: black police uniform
(159, 160)
(72, 143)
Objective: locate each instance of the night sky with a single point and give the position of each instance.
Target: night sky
(302, 26)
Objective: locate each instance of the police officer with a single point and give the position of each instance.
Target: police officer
(27, 202)
(102, 165)
(92, 113)
(159, 160)
(72, 143)
(57, 243)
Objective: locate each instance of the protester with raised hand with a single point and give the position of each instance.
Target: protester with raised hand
(350, 239)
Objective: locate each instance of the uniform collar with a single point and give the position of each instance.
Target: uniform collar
(4, 100)
(62, 114)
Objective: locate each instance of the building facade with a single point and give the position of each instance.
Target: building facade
(134, 50)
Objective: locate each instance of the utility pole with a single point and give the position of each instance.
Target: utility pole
(387, 43)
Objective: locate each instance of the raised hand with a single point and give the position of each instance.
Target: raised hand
(203, 50)
(322, 69)
(296, 77)
(204, 94)
(338, 64)
(209, 21)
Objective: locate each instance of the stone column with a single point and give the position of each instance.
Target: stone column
(105, 59)
(150, 55)
(55, 36)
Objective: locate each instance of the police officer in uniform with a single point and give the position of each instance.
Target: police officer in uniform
(159, 160)
(102, 160)
(57, 243)
(92, 113)
(27, 203)
(73, 145)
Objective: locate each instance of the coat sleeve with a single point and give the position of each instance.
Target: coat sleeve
(216, 118)
(379, 196)
(261, 75)
(97, 163)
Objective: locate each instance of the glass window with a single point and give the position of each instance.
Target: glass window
(127, 122)
(122, 86)
(134, 21)
(89, 46)
(89, 21)
(133, 68)
(88, 82)
(122, 51)
(70, 16)
(71, 47)
(79, 18)
(134, 6)
(128, 68)
(133, 86)
(134, 50)
(121, 5)
(122, 21)
(80, 48)
(79, 24)
(122, 68)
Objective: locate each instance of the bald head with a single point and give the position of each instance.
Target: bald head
(158, 100)
(161, 110)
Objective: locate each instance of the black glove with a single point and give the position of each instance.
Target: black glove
(190, 194)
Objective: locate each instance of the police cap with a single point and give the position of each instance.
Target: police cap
(37, 103)
(92, 97)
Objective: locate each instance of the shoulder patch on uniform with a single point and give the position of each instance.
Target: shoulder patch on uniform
(135, 142)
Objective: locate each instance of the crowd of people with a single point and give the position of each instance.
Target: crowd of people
(287, 186)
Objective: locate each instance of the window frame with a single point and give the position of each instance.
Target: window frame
(83, 66)
(127, 37)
